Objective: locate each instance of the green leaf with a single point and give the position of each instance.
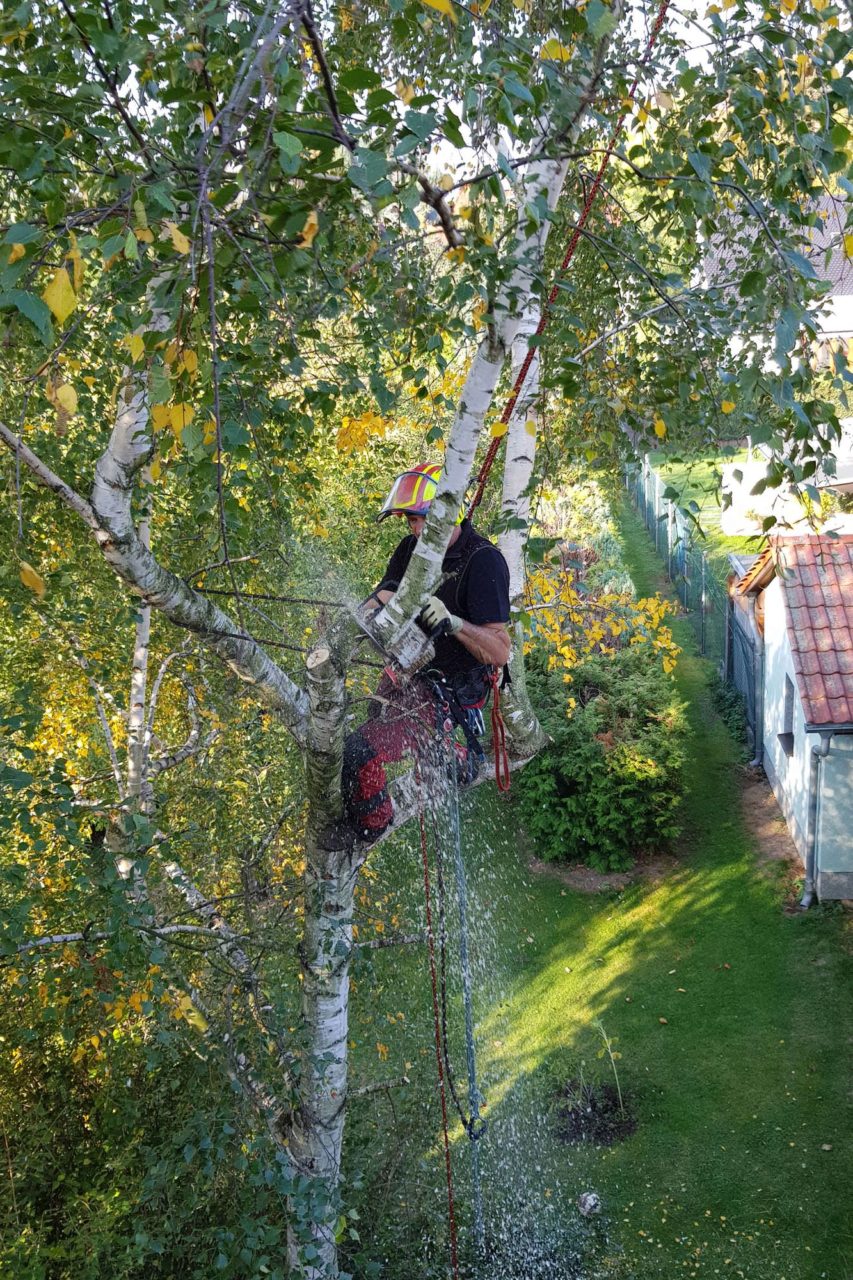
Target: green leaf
(701, 164)
(360, 78)
(599, 19)
(752, 284)
(453, 128)
(30, 307)
(516, 89)
(289, 150)
(368, 170)
(420, 123)
(21, 233)
(801, 264)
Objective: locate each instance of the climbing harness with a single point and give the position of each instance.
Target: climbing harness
(586, 209)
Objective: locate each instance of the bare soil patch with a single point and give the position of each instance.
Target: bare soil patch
(764, 820)
(594, 1114)
(583, 879)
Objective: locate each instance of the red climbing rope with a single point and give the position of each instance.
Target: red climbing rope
(495, 444)
(451, 1208)
(502, 779)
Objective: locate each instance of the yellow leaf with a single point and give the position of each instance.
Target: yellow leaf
(155, 470)
(443, 6)
(66, 398)
(555, 51)
(660, 428)
(161, 415)
(848, 245)
(17, 252)
(457, 254)
(209, 430)
(789, 5)
(498, 429)
(405, 91)
(197, 1020)
(190, 361)
(136, 342)
(179, 240)
(75, 258)
(89, 381)
(445, 182)
(530, 427)
(180, 416)
(31, 579)
(208, 114)
(727, 406)
(144, 234)
(309, 231)
(60, 296)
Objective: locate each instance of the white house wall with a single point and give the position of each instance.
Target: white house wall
(835, 822)
(789, 775)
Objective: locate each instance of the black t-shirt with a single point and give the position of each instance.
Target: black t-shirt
(475, 586)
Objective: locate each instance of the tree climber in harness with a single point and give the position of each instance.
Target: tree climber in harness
(467, 620)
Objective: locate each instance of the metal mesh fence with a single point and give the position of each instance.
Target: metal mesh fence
(742, 674)
(687, 566)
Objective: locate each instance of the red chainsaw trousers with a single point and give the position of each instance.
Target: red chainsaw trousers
(402, 722)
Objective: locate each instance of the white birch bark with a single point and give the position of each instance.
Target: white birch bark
(129, 449)
(330, 876)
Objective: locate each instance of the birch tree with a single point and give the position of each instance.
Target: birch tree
(219, 238)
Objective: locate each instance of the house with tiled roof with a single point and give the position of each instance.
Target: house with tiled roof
(791, 645)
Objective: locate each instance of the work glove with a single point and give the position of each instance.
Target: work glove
(435, 613)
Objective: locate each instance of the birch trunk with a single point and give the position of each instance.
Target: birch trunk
(329, 885)
(129, 449)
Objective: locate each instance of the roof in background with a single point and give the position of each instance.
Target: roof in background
(826, 241)
(816, 576)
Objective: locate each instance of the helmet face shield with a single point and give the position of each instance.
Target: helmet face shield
(412, 492)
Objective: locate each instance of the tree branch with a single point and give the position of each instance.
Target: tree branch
(48, 478)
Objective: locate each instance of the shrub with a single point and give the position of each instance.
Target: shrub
(730, 706)
(609, 786)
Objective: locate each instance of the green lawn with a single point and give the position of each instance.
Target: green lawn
(740, 1165)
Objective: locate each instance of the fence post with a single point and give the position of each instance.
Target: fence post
(702, 603)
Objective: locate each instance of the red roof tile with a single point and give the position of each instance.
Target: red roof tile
(816, 577)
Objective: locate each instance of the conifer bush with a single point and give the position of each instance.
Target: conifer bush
(608, 788)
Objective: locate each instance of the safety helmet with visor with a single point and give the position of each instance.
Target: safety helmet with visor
(413, 491)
